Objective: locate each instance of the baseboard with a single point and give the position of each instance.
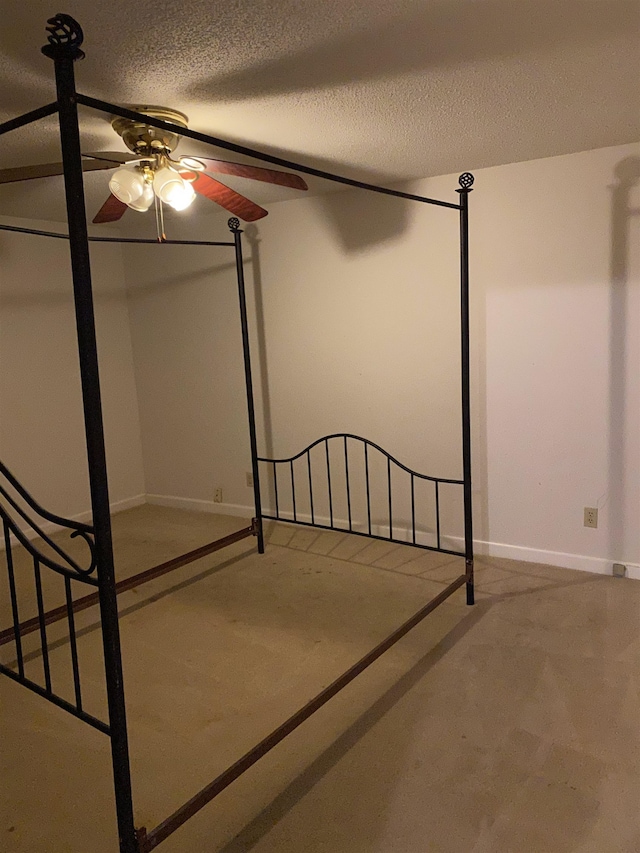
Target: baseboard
(596, 565)
(116, 506)
(85, 517)
(197, 505)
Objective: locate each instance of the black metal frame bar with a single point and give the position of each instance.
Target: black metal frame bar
(28, 118)
(65, 39)
(64, 58)
(466, 183)
(92, 239)
(234, 225)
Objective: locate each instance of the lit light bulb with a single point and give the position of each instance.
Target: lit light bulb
(127, 184)
(182, 198)
(166, 183)
(172, 189)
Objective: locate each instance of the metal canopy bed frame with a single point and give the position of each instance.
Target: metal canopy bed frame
(18, 508)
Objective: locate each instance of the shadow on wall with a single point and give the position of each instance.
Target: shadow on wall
(187, 278)
(627, 176)
(252, 237)
(478, 376)
(361, 218)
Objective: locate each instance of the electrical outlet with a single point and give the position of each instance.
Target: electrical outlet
(590, 516)
(217, 496)
(249, 479)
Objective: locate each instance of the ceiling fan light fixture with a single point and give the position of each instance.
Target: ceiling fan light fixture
(182, 198)
(155, 175)
(192, 163)
(167, 184)
(145, 201)
(127, 184)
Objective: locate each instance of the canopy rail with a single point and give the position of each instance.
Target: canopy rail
(118, 110)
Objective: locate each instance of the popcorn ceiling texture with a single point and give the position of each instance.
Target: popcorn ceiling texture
(380, 89)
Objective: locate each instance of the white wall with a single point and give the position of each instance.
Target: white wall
(557, 329)
(356, 329)
(188, 365)
(41, 425)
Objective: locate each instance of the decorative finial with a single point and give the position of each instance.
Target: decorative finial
(234, 223)
(65, 37)
(466, 180)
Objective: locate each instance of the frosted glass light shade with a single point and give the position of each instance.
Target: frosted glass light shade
(181, 199)
(167, 183)
(127, 184)
(146, 199)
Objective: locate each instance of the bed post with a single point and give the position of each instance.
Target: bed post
(65, 38)
(466, 181)
(234, 227)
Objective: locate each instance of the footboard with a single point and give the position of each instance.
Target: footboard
(348, 483)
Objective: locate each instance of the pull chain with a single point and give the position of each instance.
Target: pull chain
(159, 219)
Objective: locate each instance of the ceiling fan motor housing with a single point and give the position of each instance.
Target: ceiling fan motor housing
(144, 140)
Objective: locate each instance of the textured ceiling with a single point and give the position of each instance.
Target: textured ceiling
(376, 89)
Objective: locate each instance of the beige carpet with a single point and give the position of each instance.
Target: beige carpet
(509, 727)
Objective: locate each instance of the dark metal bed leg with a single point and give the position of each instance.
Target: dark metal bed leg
(471, 597)
(466, 182)
(64, 48)
(234, 227)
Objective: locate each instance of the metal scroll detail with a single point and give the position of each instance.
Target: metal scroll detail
(22, 515)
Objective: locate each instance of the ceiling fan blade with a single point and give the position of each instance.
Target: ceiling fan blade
(112, 156)
(227, 198)
(257, 173)
(47, 170)
(111, 211)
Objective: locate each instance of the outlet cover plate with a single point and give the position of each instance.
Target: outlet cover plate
(590, 516)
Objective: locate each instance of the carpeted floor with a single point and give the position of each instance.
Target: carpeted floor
(509, 727)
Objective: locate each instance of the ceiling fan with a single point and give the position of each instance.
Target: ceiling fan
(153, 177)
